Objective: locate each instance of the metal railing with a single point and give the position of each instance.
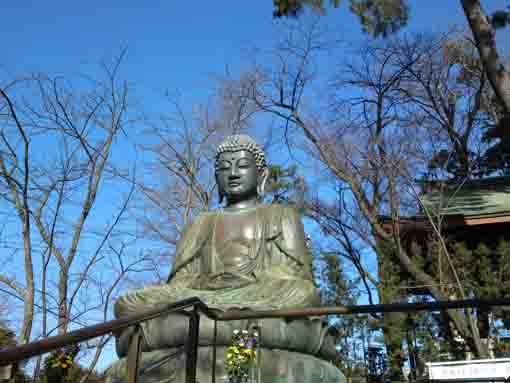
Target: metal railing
(479, 380)
(192, 307)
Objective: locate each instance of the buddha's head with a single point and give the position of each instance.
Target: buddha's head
(241, 170)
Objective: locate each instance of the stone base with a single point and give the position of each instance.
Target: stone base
(276, 366)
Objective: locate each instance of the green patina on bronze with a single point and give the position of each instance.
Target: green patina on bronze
(237, 272)
(245, 255)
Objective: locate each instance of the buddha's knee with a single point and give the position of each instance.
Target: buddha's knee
(122, 341)
(124, 338)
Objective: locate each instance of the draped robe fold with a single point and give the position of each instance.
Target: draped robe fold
(280, 277)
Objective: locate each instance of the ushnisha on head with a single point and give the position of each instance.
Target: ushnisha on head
(241, 170)
(238, 142)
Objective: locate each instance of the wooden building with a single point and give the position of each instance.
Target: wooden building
(472, 212)
(469, 211)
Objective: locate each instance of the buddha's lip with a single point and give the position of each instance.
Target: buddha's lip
(234, 184)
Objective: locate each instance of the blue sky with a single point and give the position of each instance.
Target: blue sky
(175, 45)
(171, 44)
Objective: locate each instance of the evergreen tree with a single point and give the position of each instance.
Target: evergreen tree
(285, 186)
(338, 288)
(377, 17)
(7, 336)
(8, 340)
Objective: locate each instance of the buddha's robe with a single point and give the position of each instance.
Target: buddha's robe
(255, 259)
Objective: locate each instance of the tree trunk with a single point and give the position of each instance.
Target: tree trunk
(63, 313)
(392, 324)
(29, 295)
(484, 36)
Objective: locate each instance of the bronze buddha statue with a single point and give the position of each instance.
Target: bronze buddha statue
(246, 254)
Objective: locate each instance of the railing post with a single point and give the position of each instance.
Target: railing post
(258, 328)
(214, 352)
(134, 352)
(192, 347)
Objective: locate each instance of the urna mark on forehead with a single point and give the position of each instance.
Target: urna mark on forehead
(240, 143)
(236, 155)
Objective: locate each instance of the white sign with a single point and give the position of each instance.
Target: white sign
(470, 369)
(5, 372)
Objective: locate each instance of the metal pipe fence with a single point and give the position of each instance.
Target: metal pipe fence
(193, 307)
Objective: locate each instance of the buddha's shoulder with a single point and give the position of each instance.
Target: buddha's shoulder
(198, 222)
(279, 213)
(277, 208)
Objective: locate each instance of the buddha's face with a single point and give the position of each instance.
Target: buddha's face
(237, 175)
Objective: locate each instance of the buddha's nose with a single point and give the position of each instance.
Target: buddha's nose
(234, 172)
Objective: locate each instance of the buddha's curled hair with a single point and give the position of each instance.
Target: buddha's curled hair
(238, 142)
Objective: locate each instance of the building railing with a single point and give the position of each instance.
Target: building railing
(192, 308)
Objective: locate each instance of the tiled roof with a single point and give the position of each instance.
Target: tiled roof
(472, 198)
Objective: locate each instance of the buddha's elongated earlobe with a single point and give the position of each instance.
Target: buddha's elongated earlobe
(220, 195)
(262, 183)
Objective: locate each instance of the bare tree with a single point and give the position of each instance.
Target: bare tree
(61, 175)
(371, 136)
(382, 18)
